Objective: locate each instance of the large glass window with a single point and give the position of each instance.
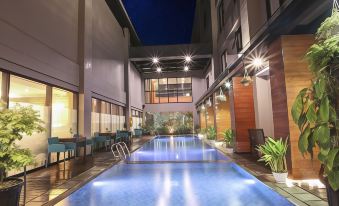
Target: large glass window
(115, 117)
(105, 117)
(122, 118)
(95, 116)
(64, 113)
(28, 93)
(168, 90)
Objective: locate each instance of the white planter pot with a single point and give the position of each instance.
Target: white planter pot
(212, 142)
(280, 177)
(228, 150)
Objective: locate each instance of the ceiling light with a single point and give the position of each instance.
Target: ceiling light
(186, 68)
(159, 69)
(155, 60)
(258, 62)
(188, 59)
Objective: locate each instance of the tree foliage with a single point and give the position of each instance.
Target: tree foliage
(13, 124)
(316, 108)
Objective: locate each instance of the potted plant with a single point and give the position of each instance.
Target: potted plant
(316, 108)
(274, 154)
(211, 135)
(13, 124)
(229, 140)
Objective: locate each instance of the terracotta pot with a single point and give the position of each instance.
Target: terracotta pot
(10, 195)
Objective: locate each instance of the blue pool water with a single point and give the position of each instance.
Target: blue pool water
(205, 183)
(176, 149)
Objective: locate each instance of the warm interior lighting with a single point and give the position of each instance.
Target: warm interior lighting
(221, 97)
(203, 107)
(209, 103)
(155, 60)
(186, 68)
(159, 69)
(188, 59)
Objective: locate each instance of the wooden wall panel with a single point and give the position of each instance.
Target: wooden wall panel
(223, 118)
(289, 74)
(202, 115)
(244, 114)
(210, 116)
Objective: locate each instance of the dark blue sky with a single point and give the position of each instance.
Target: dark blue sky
(162, 21)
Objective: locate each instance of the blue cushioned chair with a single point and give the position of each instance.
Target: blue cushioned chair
(105, 140)
(54, 145)
(138, 132)
(122, 136)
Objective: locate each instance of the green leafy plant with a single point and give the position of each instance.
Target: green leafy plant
(315, 109)
(211, 133)
(274, 154)
(228, 137)
(14, 123)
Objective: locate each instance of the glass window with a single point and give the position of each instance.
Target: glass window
(64, 113)
(115, 117)
(28, 93)
(95, 116)
(170, 90)
(105, 117)
(221, 19)
(122, 116)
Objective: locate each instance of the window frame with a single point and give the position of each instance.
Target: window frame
(168, 91)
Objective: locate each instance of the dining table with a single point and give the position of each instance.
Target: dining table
(79, 141)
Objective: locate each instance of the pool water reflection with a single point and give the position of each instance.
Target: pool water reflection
(176, 149)
(212, 183)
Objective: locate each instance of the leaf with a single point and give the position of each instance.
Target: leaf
(331, 157)
(333, 178)
(319, 87)
(303, 140)
(323, 134)
(298, 106)
(324, 110)
(311, 114)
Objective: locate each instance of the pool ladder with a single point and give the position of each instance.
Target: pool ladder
(122, 149)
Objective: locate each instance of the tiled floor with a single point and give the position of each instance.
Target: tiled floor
(58, 180)
(302, 196)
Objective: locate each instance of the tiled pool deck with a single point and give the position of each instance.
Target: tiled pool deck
(302, 196)
(48, 186)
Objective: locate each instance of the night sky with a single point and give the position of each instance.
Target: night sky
(160, 22)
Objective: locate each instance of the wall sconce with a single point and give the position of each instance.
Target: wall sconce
(221, 97)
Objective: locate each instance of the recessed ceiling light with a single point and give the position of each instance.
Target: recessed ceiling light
(186, 68)
(155, 60)
(188, 59)
(159, 69)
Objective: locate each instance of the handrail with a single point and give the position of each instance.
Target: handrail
(120, 146)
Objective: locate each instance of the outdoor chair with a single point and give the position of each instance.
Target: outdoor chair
(138, 132)
(105, 140)
(123, 136)
(257, 138)
(55, 146)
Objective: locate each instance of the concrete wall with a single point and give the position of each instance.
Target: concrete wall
(137, 88)
(263, 105)
(40, 39)
(107, 59)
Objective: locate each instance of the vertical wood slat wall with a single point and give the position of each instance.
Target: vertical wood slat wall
(244, 114)
(223, 117)
(289, 74)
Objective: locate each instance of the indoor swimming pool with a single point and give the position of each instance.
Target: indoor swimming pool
(172, 171)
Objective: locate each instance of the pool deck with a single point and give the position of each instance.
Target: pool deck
(301, 195)
(50, 185)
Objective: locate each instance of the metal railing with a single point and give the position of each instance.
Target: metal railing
(120, 150)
